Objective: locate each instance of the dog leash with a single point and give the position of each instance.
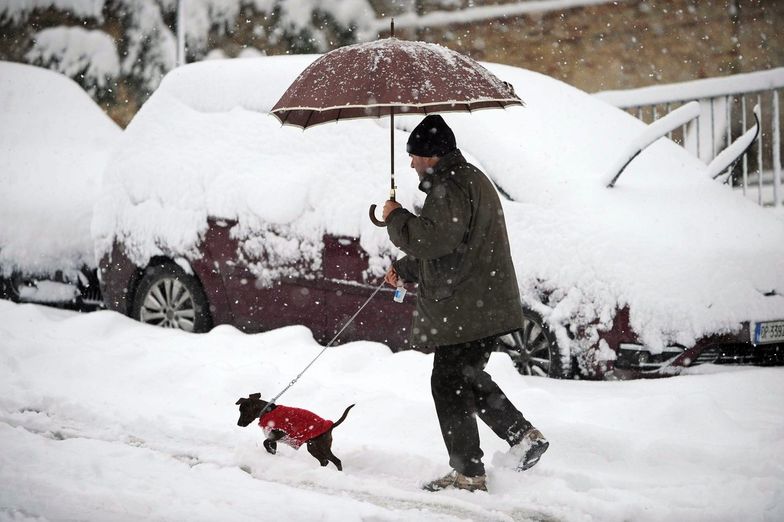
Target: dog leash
(329, 344)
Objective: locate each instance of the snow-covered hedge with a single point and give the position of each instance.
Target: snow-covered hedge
(77, 53)
(17, 11)
(146, 48)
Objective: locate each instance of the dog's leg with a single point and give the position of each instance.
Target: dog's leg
(328, 450)
(316, 448)
(335, 461)
(321, 448)
(270, 443)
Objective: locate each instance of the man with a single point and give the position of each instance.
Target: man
(458, 252)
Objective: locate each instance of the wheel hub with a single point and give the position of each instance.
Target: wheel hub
(529, 349)
(168, 303)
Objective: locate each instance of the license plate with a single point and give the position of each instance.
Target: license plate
(767, 332)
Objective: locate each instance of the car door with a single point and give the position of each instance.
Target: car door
(348, 285)
(264, 295)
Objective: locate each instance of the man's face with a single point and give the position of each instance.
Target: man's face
(423, 165)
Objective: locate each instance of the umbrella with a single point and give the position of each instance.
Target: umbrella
(387, 77)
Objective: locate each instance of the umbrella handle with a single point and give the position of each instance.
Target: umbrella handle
(372, 214)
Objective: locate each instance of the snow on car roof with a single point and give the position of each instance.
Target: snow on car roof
(204, 145)
(688, 256)
(54, 143)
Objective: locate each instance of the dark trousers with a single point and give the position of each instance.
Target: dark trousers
(461, 390)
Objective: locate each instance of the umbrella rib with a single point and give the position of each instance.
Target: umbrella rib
(310, 115)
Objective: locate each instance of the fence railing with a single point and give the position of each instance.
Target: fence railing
(726, 112)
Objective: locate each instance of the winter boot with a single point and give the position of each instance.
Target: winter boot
(456, 480)
(529, 450)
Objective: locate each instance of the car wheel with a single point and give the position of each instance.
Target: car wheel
(534, 350)
(168, 297)
(9, 288)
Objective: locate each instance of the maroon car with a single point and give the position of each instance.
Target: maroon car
(219, 288)
(211, 213)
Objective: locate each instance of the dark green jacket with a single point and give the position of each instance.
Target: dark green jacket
(457, 250)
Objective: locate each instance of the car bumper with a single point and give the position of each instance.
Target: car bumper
(636, 361)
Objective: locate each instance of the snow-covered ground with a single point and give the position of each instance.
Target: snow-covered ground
(103, 418)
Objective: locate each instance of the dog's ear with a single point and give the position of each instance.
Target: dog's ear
(255, 396)
(240, 401)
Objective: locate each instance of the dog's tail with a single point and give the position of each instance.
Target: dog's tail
(342, 417)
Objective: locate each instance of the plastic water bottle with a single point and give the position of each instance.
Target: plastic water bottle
(400, 292)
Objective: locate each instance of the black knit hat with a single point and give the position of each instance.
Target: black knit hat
(432, 137)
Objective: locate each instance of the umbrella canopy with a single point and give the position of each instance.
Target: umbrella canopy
(390, 76)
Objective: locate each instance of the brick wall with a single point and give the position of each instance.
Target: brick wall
(628, 44)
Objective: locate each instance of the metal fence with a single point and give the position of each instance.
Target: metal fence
(726, 112)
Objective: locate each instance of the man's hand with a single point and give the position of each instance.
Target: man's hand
(391, 278)
(389, 206)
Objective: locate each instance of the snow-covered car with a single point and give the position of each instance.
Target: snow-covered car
(211, 213)
(54, 143)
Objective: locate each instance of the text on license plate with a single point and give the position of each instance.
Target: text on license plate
(767, 332)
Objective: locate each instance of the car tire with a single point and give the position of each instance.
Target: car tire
(168, 297)
(9, 288)
(89, 287)
(534, 349)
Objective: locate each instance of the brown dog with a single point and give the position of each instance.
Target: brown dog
(292, 426)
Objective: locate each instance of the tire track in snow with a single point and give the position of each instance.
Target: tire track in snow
(395, 498)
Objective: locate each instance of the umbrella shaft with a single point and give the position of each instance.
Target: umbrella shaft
(392, 134)
(392, 153)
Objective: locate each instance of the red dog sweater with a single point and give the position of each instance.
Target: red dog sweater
(299, 425)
